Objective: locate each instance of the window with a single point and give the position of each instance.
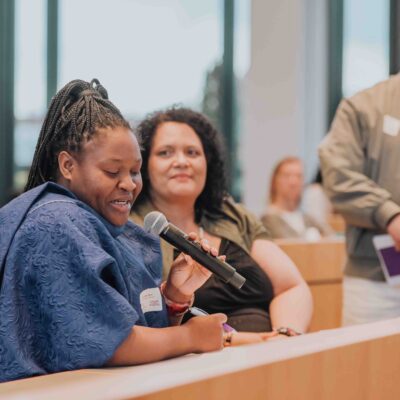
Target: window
(148, 54)
(365, 44)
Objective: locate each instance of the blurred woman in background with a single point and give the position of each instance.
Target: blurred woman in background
(283, 217)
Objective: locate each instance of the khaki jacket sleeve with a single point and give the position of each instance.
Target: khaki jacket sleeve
(250, 225)
(343, 157)
(276, 227)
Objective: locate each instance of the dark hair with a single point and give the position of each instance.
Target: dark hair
(215, 187)
(75, 113)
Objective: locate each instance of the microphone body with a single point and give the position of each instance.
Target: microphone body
(156, 223)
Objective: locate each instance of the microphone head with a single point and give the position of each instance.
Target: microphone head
(155, 222)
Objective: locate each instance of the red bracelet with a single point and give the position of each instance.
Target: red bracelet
(175, 309)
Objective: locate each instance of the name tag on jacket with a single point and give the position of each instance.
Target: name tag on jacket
(391, 125)
(150, 300)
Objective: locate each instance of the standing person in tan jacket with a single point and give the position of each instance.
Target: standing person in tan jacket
(360, 161)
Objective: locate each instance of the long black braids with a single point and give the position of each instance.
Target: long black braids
(75, 113)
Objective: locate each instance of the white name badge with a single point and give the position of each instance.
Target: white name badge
(391, 125)
(150, 300)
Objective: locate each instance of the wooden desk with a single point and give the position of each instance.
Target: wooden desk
(321, 265)
(353, 363)
(337, 223)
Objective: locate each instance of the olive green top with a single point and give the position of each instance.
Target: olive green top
(232, 222)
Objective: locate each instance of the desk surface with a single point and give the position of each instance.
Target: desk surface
(148, 380)
(321, 265)
(319, 261)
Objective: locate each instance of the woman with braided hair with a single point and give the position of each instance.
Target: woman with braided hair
(80, 284)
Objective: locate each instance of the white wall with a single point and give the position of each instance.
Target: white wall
(283, 94)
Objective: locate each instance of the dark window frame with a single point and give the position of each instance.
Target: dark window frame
(7, 60)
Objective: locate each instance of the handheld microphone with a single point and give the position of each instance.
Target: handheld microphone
(156, 223)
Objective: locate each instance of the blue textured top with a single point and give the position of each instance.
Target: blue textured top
(71, 284)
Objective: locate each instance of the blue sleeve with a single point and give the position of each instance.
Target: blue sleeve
(73, 292)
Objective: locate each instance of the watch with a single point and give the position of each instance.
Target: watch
(284, 330)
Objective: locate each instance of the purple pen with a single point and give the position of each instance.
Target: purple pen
(198, 312)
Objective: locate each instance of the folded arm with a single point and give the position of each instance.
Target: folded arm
(144, 345)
